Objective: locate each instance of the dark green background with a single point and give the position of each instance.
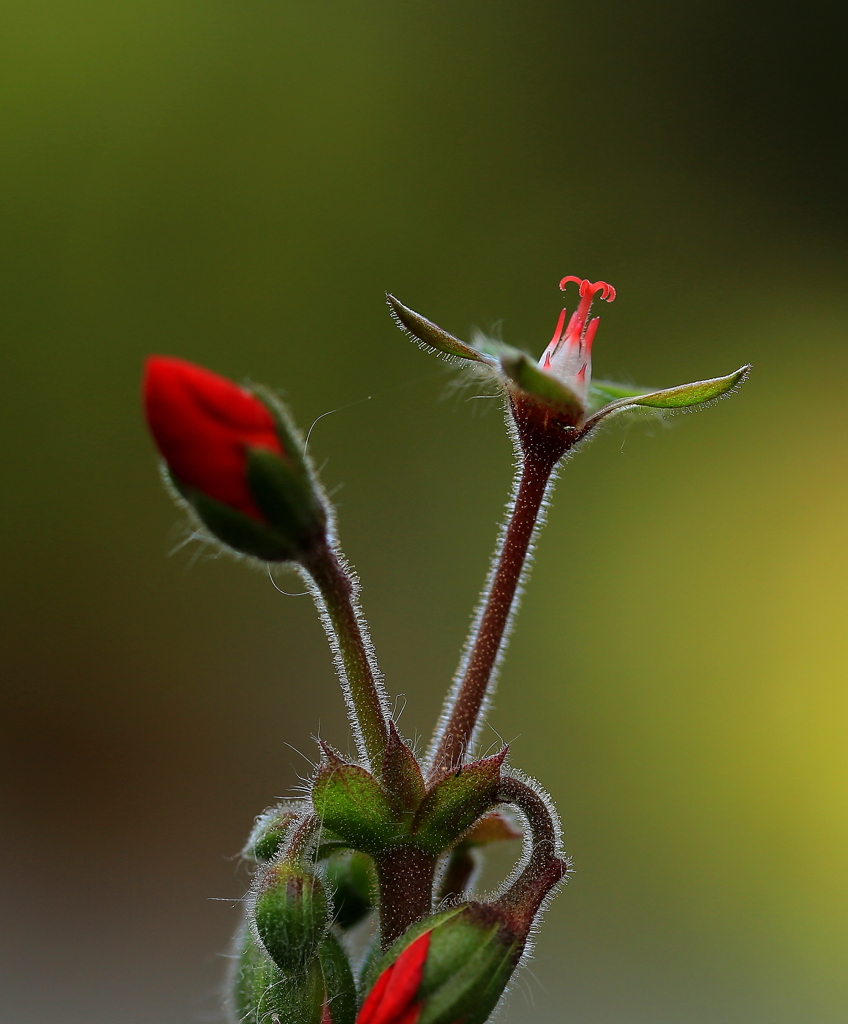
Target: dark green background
(237, 183)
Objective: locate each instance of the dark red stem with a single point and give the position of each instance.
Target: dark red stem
(487, 642)
(405, 881)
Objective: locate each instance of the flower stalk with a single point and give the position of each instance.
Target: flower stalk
(473, 686)
(336, 595)
(390, 835)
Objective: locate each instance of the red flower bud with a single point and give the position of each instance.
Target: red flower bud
(236, 460)
(451, 968)
(392, 1000)
(203, 425)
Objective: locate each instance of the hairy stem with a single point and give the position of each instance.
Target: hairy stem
(405, 882)
(544, 867)
(486, 643)
(354, 657)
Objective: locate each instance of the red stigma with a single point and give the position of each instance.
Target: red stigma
(590, 288)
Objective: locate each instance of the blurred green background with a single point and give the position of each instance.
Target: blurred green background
(237, 183)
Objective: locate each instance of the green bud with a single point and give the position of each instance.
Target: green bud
(262, 994)
(350, 879)
(268, 833)
(290, 913)
(455, 802)
(338, 982)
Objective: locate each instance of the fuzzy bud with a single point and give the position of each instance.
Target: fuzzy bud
(290, 913)
(263, 994)
(235, 460)
(448, 969)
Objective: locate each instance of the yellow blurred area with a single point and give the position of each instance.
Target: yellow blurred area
(238, 184)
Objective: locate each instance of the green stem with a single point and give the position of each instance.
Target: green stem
(354, 657)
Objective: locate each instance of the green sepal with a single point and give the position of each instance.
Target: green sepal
(429, 335)
(601, 392)
(286, 497)
(263, 994)
(236, 530)
(469, 963)
(338, 981)
(684, 396)
(290, 912)
(269, 831)
(401, 773)
(290, 437)
(455, 802)
(377, 960)
(350, 880)
(351, 802)
(470, 959)
(525, 374)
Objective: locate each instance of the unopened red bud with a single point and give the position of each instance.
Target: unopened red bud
(448, 969)
(290, 913)
(235, 460)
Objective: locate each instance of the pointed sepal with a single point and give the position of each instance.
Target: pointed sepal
(685, 396)
(430, 336)
(402, 776)
(352, 803)
(455, 802)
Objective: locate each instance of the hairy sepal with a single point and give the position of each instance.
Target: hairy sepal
(685, 396)
(352, 803)
(455, 801)
(429, 335)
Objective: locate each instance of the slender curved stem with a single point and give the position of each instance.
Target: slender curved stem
(335, 594)
(544, 867)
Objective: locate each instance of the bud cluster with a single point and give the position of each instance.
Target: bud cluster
(389, 841)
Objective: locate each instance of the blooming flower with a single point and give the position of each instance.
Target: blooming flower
(560, 385)
(568, 357)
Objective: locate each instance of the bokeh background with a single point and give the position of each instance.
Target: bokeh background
(237, 183)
